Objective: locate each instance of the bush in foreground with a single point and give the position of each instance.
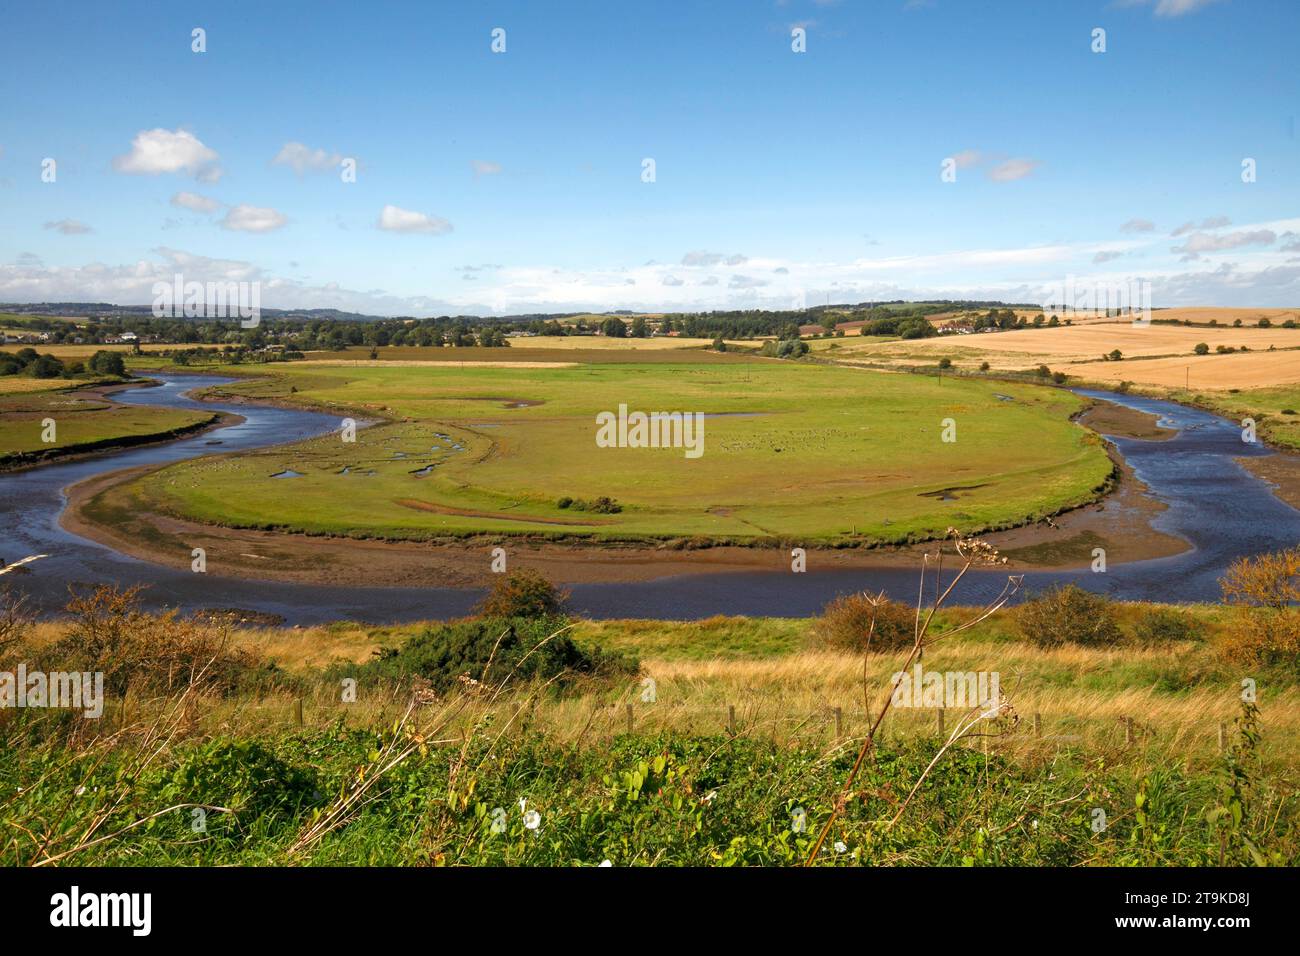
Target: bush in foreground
(524, 593)
(1264, 630)
(150, 654)
(1068, 615)
(492, 651)
(1166, 625)
(846, 623)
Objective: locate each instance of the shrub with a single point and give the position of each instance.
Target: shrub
(107, 363)
(945, 363)
(150, 653)
(1163, 625)
(1270, 580)
(524, 593)
(604, 505)
(492, 650)
(242, 776)
(46, 366)
(785, 348)
(984, 366)
(1264, 629)
(1068, 615)
(1201, 348)
(1262, 637)
(846, 623)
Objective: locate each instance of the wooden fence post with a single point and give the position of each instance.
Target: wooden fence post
(1223, 735)
(1038, 725)
(629, 718)
(1128, 730)
(297, 711)
(939, 720)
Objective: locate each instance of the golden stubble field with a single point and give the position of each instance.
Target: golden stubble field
(1153, 354)
(1241, 370)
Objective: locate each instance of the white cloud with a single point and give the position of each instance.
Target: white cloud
(1257, 275)
(195, 202)
(1200, 242)
(157, 151)
(1138, 225)
(303, 159)
(69, 227)
(396, 219)
(1013, 169)
(131, 283)
(701, 258)
(1106, 255)
(967, 158)
(1178, 8)
(483, 167)
(1213, 222)
(1169, 8)
(245, 218)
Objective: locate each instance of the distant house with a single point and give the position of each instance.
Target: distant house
(128, 337)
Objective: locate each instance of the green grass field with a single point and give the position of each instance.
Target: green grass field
(81, 422)
(793, 451)
(1276, 410)
(754, 723)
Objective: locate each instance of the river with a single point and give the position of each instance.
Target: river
(1213, 503)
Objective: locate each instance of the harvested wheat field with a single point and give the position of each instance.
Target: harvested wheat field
(1208, 372)
(1084, 343)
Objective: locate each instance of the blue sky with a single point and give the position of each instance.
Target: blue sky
(513, 181)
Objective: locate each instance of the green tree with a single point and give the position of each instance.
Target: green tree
(107, 363)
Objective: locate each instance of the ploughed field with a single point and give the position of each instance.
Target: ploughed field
(808, 453)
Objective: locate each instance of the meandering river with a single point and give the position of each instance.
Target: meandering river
(1218, 507)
